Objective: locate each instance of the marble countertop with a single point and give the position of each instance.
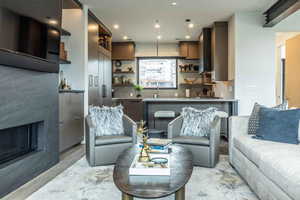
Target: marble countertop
(182, 99)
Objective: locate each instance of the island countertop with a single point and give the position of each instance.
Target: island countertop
(195, 99)
(188, 100)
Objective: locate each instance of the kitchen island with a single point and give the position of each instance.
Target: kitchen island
(151, 105)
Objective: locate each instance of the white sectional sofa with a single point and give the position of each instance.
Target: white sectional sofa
(272, 170)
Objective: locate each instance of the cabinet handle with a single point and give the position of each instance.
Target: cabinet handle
(77, 118)
(104, 90)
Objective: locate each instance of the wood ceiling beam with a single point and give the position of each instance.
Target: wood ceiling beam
(280, 10)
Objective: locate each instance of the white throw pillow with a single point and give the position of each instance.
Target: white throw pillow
(108, 120)
(197, 122)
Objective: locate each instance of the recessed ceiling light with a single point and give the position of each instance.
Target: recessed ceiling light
(191, 25)
(187, 37)
(158, 37)
(125, 37)
(116, 26)
(173, 4)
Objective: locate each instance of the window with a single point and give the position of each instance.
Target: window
(158, 72)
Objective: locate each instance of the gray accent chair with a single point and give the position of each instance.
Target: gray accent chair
(205, 150)
(104, 150)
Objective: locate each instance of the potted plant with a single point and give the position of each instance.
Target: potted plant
(138, 89)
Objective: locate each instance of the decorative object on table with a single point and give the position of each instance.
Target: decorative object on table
(145, 149)
(63, 54)
(161, 146)
(118, 64)
(138, 89)
(158, 165)
(253, 123)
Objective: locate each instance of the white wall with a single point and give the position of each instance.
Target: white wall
(75, 21)
(254, 61)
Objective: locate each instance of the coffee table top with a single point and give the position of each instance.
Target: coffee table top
(154, 186)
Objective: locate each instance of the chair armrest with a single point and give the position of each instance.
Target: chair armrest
(90, 132)
(214, 141)
(238, 125)
(174, 127)
(130, 128)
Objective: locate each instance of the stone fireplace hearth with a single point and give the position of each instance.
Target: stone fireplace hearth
(28, 125)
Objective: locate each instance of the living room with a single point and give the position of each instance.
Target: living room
(149, 100)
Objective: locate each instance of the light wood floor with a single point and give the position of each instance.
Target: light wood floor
(67, 159)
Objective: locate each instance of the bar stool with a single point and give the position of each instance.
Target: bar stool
(158, 133)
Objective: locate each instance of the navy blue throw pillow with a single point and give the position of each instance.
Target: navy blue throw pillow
(279, 126)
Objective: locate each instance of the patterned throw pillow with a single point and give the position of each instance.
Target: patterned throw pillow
(197, 122)
(253, 123)
(108, 120)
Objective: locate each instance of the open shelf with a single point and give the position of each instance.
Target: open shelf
(62, 61)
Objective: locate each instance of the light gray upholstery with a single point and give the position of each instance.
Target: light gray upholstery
(205, 151)
(104, 150)
(114, 139)
(270, 168)
(191, 140)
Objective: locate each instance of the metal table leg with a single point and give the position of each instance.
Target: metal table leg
(180, 194)
(126, 197)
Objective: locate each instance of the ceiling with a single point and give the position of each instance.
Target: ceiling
(136, 18)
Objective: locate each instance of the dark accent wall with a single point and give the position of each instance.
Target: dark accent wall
(27, 97)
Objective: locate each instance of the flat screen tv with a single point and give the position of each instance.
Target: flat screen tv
(30, 34)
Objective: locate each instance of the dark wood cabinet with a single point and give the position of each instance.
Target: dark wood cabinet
(133, 108)
(205, 50)
(189, 50)
(220, 51)
(123, 50)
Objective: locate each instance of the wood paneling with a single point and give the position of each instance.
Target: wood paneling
(292, 71)
(189, 50)
(220, 51)
(123, 51)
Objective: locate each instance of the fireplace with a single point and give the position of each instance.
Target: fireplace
(16, 142)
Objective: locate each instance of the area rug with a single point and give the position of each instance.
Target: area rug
(82, 182)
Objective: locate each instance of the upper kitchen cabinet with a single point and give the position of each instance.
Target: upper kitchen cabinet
(220, 51)
(189, 50)
(123, 50)
(205, 50)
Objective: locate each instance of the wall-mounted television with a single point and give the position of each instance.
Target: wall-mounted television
(30, 34)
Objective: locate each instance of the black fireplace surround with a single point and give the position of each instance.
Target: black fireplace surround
(19, 141)
(28, 125)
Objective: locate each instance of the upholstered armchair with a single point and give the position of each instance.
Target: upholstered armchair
(104, 150)
(205, 150)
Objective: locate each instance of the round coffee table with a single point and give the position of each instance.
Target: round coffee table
(151, 187)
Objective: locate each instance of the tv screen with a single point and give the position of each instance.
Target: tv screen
(31, 28)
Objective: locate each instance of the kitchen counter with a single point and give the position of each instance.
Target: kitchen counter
(188, 100)
(195, 99)
(71, 91)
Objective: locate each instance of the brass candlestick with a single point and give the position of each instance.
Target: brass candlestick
(142, 132)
